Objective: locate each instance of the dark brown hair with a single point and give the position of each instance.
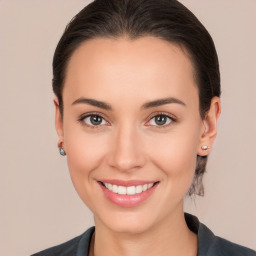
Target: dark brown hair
(165, 19)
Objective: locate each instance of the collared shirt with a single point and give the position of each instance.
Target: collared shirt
(208, 243)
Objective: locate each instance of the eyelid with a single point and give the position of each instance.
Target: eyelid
(172, 117)
(83, 116)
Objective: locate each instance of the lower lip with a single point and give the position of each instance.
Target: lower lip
(128, 200)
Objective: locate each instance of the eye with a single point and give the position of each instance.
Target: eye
(93, 120)
(161, 120)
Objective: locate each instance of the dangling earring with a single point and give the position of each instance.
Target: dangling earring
(61, 150)
(205, 147)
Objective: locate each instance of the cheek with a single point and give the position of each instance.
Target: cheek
(85, 152)
(84, 147)
(177, 160)
(176, 156)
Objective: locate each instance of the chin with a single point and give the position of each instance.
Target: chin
(128, 222)
(129, 228)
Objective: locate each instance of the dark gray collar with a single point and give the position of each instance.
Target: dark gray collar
(204, 234)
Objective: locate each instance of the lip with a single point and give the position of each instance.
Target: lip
(127, 200)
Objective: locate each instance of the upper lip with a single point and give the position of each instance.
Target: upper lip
(127, 183)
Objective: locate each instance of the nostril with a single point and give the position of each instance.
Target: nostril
(126, 156)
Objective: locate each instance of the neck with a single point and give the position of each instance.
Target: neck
(171, 236)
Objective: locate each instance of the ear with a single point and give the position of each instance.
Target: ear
(210, 127)
(58, 122)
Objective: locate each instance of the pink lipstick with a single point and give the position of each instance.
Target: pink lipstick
(127, 193)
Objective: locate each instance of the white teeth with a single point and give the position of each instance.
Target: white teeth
(150, 185)
(109, 186)
(145, 187)
(138, 189)
(121, 190)
(115, 188)
(132, 190)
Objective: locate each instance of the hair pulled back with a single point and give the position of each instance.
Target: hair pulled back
(165, 19)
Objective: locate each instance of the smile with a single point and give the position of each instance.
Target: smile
(132, 190)
(127, 193)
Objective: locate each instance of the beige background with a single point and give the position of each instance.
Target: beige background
(39, 206)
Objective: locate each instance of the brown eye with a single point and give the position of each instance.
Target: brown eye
(160, 120)
(94, 120)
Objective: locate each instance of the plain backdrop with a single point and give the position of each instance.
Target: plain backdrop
(39, 206)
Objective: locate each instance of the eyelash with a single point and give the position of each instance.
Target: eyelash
(163, 114)
(82, 118)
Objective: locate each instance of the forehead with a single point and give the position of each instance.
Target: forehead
(148, 66)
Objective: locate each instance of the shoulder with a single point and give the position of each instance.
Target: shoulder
(223, 247)
(64, 249)
(71, 247)
(211, 245)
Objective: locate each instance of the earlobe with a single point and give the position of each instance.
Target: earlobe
(58, 122)
(210, 127)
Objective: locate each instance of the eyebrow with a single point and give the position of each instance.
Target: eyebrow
(161, 102)
(95, 103)
(106, 106)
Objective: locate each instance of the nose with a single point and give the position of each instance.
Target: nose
(126, 150)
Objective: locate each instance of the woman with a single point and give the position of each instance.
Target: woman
(137, 103)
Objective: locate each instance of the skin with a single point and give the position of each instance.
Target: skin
(129, 143)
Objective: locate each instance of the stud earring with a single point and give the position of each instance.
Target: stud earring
(205, 147)
(62, 152)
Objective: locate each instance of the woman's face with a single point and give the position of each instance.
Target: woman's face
(131, 118)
